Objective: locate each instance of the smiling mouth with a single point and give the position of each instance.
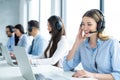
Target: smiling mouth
(86, 32)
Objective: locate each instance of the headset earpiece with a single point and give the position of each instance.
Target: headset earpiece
(101, 23)
(29, 29)
(100, 26)
(58, 25)
(11, 29)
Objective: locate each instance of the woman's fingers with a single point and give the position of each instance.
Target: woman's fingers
(80, 74)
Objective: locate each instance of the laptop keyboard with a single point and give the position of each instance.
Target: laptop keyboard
(41, 77)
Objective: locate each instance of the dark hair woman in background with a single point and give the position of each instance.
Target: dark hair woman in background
(19, 32)
(57, 47)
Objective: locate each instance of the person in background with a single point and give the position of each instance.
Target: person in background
(39, 43)
(57, 47)
(99, 54)
(23, 39)
(11, 41)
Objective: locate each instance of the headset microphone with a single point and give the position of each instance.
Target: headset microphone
(93, 32)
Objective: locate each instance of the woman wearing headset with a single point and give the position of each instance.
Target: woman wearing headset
(57, 47)
(23, 39)
(99, 54)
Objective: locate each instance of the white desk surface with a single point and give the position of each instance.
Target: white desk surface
(8, 72)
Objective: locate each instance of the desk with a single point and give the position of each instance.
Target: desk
(9, 73)
(56, 73)
(13, 73)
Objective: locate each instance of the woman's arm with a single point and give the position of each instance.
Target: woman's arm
(73, 58)
(58, 54)
(114, 73)
(79, 39)
(86, 74)
(73, 50)
(103, 76)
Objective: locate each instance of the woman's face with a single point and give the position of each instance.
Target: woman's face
(49, 28)
(88, 25)
(17, 32)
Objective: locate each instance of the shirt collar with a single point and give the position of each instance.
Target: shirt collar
(36, 35)
(21, 36)
(99, 42)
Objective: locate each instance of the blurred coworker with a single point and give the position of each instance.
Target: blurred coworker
(57, 47)
(38, 43)
(23, 39)
(11, 40)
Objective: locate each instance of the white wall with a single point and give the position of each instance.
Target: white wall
(23, 18)
(9, 15)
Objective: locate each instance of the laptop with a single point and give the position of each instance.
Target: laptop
(7, 56)
(0, 49)
(27, 72)
(1, 55)
(25, 66)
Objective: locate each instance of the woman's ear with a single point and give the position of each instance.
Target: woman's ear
(50, 28)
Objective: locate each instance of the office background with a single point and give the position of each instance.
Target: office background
(21, 11)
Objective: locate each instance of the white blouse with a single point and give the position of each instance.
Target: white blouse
(61, 51)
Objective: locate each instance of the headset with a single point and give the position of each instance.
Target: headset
(31, 24)
(58, 24)
(101, 23)
(29, 29)
(11, 28)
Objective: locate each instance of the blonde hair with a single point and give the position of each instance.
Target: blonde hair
(102, 36)
(99, 18)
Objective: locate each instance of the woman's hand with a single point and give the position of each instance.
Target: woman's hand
(83, 74)
(12, 55)
(79, 39)
(80, 36)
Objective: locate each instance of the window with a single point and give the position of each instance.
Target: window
(34, 10)
(112, 16)
(40, 10)
(45, 13)
(75, 10)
